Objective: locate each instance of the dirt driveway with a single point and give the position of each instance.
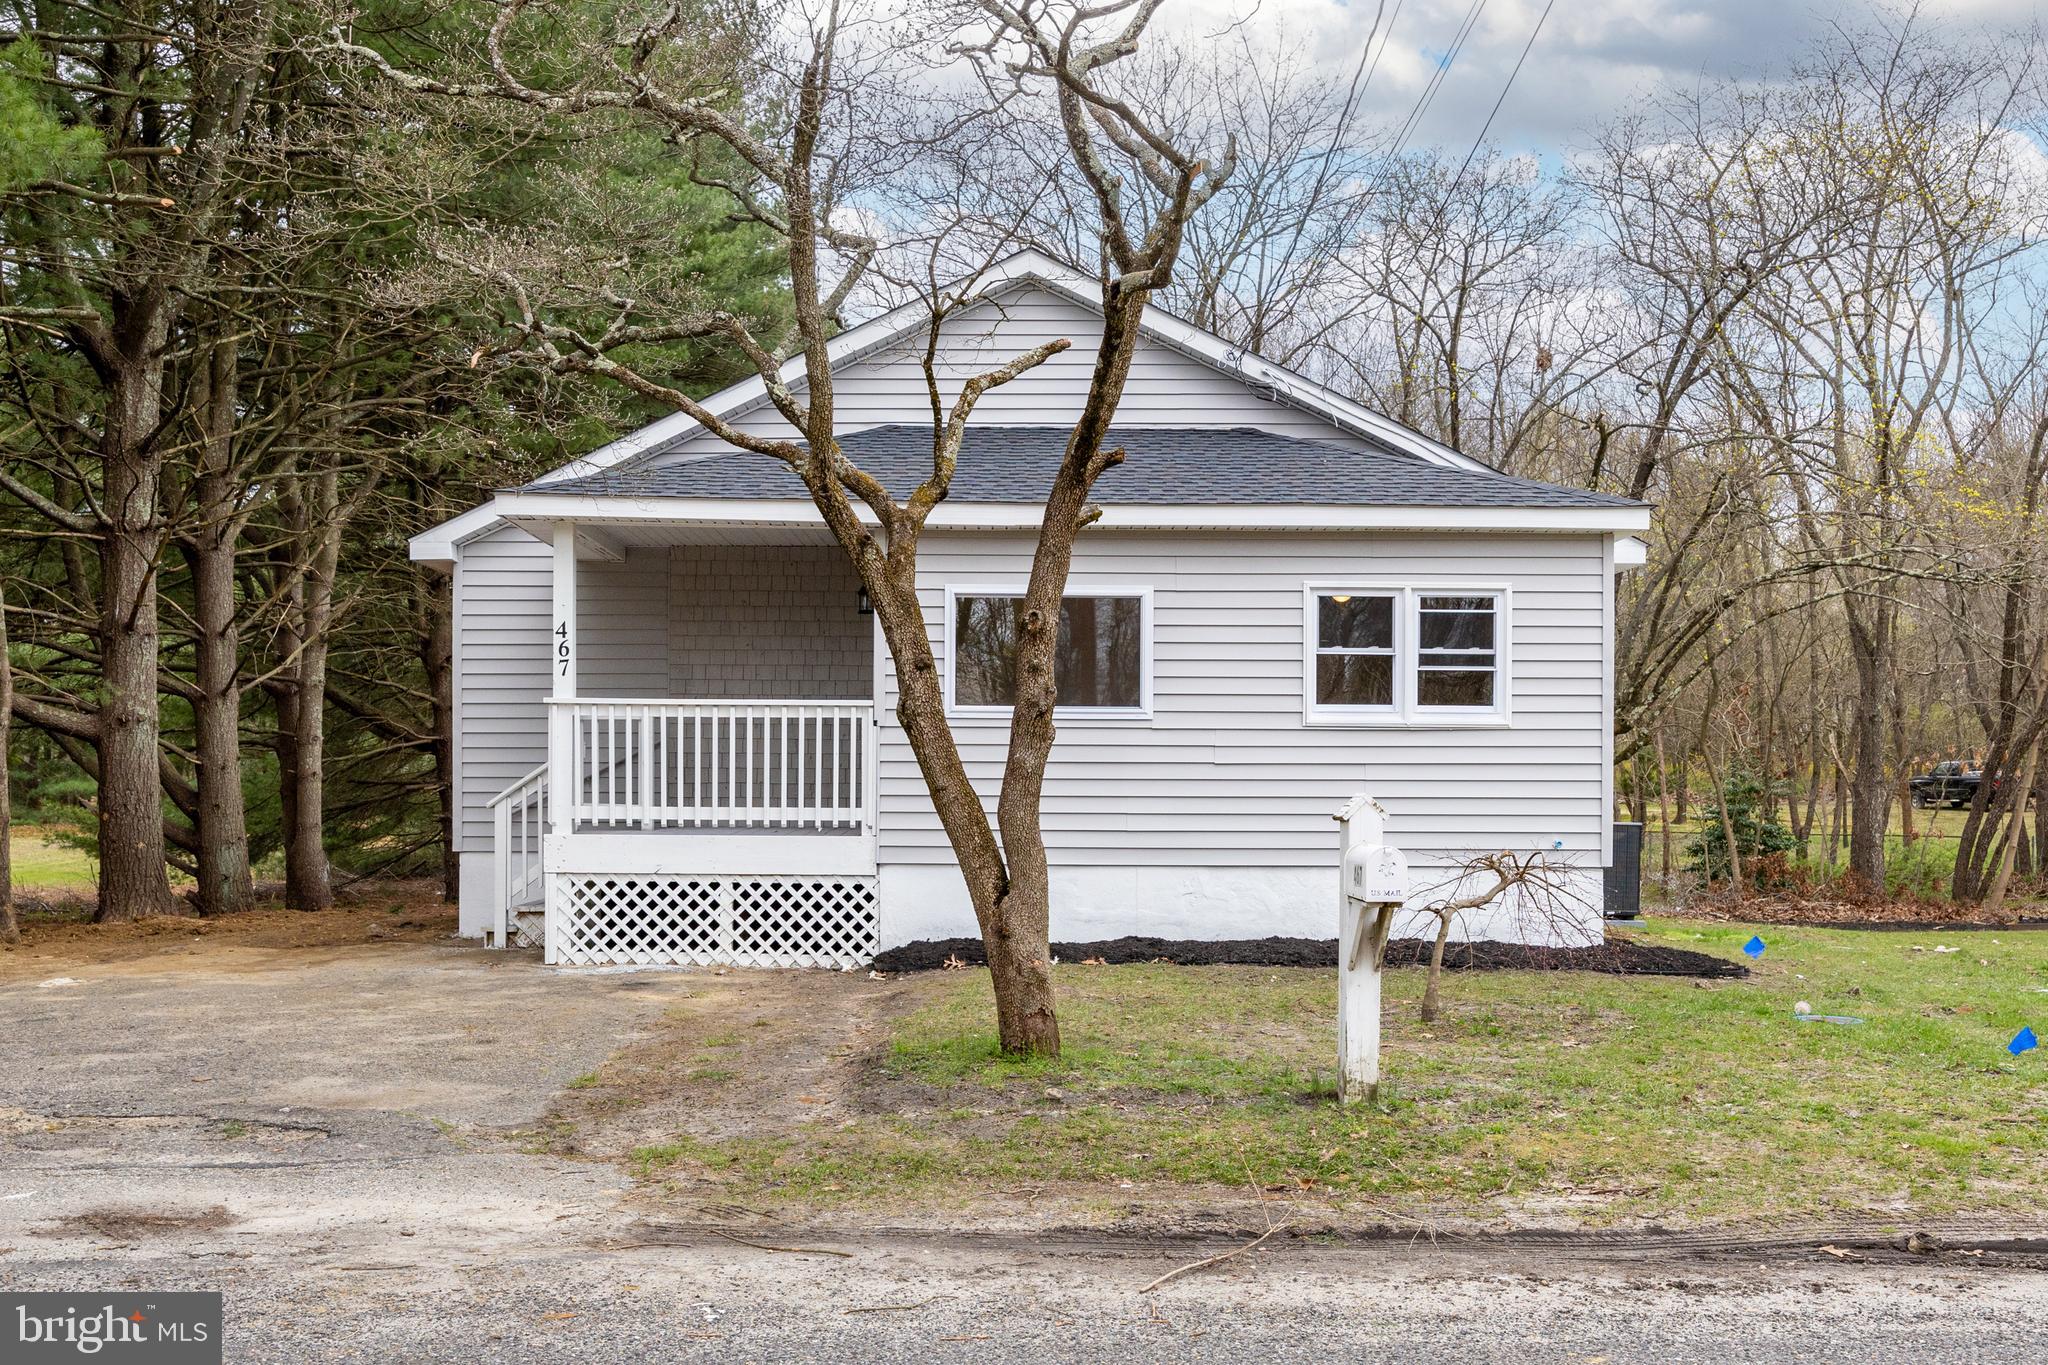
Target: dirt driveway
(304, 1093)
(350, 1136)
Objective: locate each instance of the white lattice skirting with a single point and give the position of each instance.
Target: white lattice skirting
(528, 927)
(608, 919)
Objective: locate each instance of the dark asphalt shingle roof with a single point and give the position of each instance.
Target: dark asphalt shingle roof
(1174, 465)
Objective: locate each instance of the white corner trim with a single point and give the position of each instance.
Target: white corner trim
(1609, 615)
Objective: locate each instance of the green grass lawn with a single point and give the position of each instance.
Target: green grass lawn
(1923, 867)
(40, 862)
(1664, 1098)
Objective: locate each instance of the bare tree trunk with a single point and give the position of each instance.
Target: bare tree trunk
(1663, 812)
(308, 881)
(1716, 773)
(1432, 1003)
(134, 878)
(1008, 880)
(10, 924)
(2015, 831)
(437, 661)
(1870, 792)
(1023, 918)
(2040, 799)
(225, 885)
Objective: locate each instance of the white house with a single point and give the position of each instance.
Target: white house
(675, 730)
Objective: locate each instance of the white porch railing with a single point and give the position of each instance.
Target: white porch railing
(519, 819)
(713, 765)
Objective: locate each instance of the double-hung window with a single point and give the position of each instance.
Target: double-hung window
(1102, 662)
(1405, 655)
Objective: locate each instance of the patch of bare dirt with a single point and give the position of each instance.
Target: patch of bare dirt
(392, 912)
(127, 1225)
(747, 1054)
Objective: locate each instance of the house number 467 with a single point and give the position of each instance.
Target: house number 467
(562, 647)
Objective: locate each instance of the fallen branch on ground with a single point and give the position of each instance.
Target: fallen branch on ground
(1217, 1259)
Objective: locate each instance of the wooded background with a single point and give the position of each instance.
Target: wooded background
(254, 301)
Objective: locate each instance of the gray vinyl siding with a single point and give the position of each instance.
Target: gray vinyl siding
(503, 597)
(1226, 773)
(1167, 388)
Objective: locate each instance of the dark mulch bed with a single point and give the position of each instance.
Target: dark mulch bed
(1618, 956)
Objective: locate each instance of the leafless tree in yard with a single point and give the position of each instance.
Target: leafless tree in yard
(1895, 162)
(795, 163)
(1534, 888)
(1472, 320)
(2004, 644)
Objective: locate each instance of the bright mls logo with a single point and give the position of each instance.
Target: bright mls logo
(165, 1329)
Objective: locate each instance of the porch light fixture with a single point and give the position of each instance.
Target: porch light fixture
(867, 608)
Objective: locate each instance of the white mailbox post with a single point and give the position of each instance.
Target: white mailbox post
(1372, 884)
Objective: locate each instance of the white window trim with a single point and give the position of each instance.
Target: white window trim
(1405, 713)
(1124, 714)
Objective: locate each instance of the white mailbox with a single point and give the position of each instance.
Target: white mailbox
(1372, 883)
(1375, 874)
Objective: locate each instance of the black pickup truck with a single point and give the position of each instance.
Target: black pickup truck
(1952, 784)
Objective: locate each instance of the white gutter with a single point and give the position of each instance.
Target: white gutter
(540, 506)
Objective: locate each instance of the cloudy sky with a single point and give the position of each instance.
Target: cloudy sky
(1592, 58)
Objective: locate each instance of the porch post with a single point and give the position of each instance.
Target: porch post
(562, 649)
(562, 778)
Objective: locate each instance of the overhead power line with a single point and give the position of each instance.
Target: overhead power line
(1487, 126)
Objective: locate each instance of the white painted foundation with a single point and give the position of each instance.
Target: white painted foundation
(473, 872)
(925, 902)
(920, 902)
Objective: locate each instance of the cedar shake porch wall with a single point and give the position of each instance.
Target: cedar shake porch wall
(780, 622)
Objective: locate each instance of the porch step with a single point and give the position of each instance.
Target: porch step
(528, 925)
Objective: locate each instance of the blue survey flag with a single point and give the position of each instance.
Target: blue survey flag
(1755, 946)
(2023, 1041)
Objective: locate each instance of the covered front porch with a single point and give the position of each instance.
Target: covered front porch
(732, 824)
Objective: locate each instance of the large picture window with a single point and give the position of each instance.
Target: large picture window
(1100, 664)
(1405, 654)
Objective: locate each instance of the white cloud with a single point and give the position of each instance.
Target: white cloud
(1594, 57)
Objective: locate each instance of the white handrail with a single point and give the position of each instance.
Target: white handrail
(506, 795)
(519, 818)
(734, 764)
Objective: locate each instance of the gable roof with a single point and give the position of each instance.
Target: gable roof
(1166, 466)
(1026, 267)
(1423, 459)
